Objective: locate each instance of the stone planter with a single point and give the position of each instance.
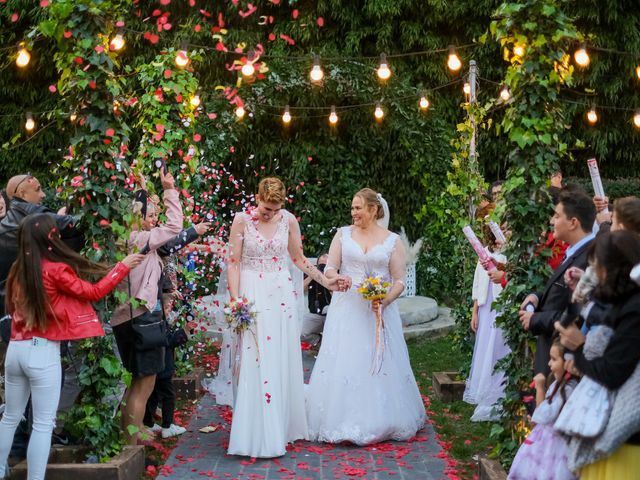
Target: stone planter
(64, 463)
(446, 387)
(189, 386)
(491, 469)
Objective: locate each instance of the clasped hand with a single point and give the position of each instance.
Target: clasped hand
(344, 283)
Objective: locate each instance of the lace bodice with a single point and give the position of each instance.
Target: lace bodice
(261, 254)
(356, 264)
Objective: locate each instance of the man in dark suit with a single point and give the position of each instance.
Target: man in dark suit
(572, 223)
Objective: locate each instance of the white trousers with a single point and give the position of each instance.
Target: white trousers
(32, 367)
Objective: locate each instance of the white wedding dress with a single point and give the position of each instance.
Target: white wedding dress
(346, 401)
(269, 408)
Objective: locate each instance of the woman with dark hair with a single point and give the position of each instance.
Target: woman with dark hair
(615, 453)
(49, 299)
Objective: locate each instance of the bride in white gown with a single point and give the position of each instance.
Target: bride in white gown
(346, 399)
(268, 403)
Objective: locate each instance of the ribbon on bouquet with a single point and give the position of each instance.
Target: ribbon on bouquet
(374, 287)
(381, 341)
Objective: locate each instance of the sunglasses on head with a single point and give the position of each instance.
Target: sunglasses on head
(28, 176)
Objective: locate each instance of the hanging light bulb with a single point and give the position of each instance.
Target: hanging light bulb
(379, 112)
(581, 56)
(424, 102)
(592, 115)
(24, 57)
(333, 116)
(317, 74)
(195, 100)
(518, 49)
(30, 124)
(636, 119)
(466, 88)
(505, 94)
(182, 59)
(384, 72)
(240, 111)
(117, 42)
(73, 116)
(453, 62)
(286, 116)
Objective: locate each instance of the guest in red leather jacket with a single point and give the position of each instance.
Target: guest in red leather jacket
(49, 300)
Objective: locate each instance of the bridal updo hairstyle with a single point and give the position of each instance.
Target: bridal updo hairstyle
(369, 197)
(271, 190)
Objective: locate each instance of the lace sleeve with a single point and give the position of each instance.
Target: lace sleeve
(398, 262)
(335, 253)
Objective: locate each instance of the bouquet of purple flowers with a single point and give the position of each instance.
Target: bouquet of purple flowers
(239, 314)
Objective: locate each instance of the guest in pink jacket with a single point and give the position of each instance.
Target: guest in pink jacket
(142, 360)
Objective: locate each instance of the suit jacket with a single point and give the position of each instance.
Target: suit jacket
(553, 300)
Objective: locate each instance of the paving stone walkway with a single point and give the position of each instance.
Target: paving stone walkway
(199, 455)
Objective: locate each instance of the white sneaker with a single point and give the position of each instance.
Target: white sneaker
(173, 431)
(156, 428)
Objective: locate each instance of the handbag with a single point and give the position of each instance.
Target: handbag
(587, 410)
(150, 330)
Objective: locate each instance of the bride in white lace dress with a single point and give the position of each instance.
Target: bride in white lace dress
(347, 399)
(268, 410)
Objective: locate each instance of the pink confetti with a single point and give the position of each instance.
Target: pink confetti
(250, 10)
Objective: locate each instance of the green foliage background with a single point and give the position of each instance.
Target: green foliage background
(417, 160)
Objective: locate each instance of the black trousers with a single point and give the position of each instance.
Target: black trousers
(164, 395)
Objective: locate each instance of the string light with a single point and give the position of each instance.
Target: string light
(592, 115)
(117, 42)
(378, 112)
(636, 119)
(638, 72)
(505, 94)
(286, 116)
(466, 88)
(182, 59)
(333, 116)
(317, 74)
(518, 49)
(73, 116)
(24, 57)
(581, 56)
(240, 111)
(453, 62)
(195, 100)
(30, 124)
(248, 69)
(423, 103)
(384, 72)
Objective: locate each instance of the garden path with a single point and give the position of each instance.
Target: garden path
(199, 455)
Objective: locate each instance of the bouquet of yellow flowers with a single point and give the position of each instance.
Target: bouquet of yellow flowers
(373, 287)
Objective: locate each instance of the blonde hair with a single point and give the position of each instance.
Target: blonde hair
(271, 190)
(370, 197)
